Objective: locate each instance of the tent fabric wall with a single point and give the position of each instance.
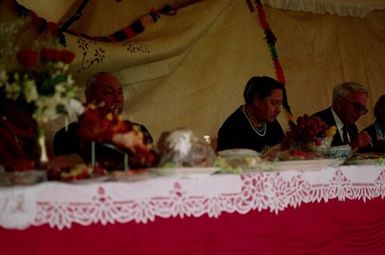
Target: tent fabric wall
(355, 8)
(318, 51)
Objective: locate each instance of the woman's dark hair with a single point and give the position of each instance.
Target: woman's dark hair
(262, 86)
(379, 107)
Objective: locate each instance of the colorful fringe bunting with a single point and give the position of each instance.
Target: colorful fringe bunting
(271, 40)
(125, 33)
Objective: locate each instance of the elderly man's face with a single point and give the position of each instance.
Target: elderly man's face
(351, 107)
(108, 94)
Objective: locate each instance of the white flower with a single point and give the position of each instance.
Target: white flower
(3, 77)
(70, 81)
(30, 91)
(12, 90)
(59, 88)
(74, 109)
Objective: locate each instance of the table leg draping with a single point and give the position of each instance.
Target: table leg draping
(336, 227)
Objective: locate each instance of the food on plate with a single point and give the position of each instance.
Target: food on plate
(369, 155)
(290, 154)
(181, 148)
(77, 172)
(247, 162)
(371, 158)
(238, 153)
(366, 159)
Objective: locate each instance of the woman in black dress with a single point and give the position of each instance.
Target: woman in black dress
(254, 124)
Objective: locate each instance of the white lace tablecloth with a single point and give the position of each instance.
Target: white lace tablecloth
(60, 204)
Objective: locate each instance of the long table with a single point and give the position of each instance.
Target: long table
(337, 210)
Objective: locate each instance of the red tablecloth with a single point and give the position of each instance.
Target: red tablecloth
(349, 227)
(331, 211)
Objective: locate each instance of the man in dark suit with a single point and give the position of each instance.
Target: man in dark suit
(104, 91)
(349, 104)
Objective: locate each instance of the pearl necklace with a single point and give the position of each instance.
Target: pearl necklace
(259, 131)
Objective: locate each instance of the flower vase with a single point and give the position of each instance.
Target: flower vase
(43, 157)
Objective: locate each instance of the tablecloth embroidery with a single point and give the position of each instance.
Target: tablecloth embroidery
(109, 203)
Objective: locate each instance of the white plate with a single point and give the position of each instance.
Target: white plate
(185, 171)
(238, 153)
(306, 165)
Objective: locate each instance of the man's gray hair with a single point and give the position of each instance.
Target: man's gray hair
(343, 89)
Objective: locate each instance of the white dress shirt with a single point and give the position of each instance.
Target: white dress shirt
(340, 124)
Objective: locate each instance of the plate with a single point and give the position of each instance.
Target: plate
(133, 175)
(185, 171)
(236, 153)
(22, 177)
(306, 165)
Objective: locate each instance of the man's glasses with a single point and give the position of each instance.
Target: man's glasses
(357, 106)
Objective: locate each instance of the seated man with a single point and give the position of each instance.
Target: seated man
(349, 104)
(104, 91)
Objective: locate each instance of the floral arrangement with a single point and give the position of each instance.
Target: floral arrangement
(42, 81)
(37, 79)
(112, 129)
(309, 138)
(308, 133)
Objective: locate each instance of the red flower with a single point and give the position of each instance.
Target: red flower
(27, 58)
(67, 56)
(56, 55)
(46, 55)
(52, 28)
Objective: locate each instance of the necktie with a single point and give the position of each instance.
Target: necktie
(345, 134)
